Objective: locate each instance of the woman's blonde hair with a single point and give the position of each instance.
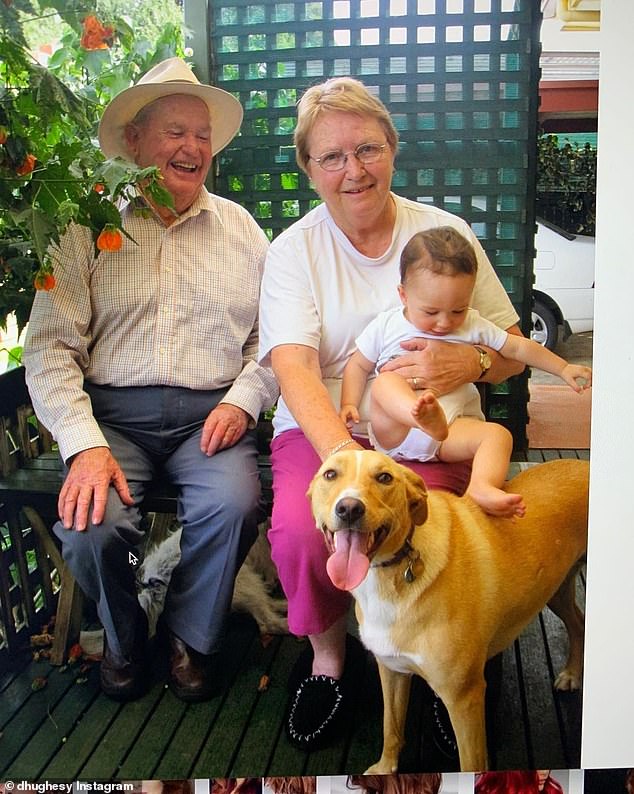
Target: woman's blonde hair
(398, 784)
(291, 785)
(343, 94)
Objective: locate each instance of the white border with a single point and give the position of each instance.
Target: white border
(608, 724)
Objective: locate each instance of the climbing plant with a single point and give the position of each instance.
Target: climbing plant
(51, 170)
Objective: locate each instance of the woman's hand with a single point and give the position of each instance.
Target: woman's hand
(297, 370)
(444, 366)
(434, 364)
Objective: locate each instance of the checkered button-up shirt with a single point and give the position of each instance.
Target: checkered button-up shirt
(176, 307)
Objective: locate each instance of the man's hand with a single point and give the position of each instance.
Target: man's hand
(223, 428)
(441, 366)
(89, 477)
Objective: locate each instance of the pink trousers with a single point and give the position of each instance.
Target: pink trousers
(297, 546)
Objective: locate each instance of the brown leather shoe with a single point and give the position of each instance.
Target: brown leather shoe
(121, 681)
(192, 675)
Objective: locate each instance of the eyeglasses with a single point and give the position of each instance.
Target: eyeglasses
(366, 153)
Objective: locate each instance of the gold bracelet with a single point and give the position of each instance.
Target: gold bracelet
(340, 445)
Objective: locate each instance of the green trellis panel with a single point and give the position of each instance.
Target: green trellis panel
(460, 78)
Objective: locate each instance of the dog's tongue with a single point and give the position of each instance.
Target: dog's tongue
(348, 566)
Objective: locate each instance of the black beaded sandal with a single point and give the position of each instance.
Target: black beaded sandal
(315, 713)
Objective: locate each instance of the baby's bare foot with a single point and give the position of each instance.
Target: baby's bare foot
(496, 502)
(429, 415)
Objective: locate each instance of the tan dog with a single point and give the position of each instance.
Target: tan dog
(440, 586)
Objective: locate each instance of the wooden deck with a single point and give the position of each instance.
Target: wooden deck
(69, 730)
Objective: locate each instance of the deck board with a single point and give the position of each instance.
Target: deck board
(120, 736)
(507, 746)
(154, 742)
(55, 726)
(261, 737)
(545, 739)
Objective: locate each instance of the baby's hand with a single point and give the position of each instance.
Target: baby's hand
(572, 373)
(350, 415)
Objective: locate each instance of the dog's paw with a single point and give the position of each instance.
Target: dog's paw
(381, 768)
(568, 680)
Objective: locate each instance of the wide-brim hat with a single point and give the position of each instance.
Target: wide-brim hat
(172, 76)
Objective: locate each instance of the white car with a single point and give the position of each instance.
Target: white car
(563, 292)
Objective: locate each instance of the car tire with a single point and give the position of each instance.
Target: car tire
(544, 327)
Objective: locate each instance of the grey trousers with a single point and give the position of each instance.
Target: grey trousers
(156, 431)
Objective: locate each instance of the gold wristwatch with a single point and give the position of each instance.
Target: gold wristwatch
(485, 361)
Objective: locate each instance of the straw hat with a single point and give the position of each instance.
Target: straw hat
(172, 76)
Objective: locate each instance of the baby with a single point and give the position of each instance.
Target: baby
(438, 270)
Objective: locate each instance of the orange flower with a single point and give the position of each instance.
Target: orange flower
(44, 280)
(3, 135)
(98, 187)
(95, 35)
(110, 239)
(27, 166)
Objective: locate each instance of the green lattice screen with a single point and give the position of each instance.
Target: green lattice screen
(460, 78)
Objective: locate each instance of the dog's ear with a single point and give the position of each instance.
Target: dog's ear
(416, 496)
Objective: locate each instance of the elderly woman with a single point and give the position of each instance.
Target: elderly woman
(325, 278)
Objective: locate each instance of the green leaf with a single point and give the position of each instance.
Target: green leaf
(96, 60)
(41, 229)
(113, 173)
(67, 211)
(51, 94)
(11, 28)
(16, 150)
(116, 81)
(59, 57)
(96, 212)
(14, 357)
(160, 195)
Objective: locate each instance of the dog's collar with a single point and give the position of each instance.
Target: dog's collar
(407, 551)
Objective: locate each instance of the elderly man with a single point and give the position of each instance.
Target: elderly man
(142, 362)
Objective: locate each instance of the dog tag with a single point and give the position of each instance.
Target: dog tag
(412, 557)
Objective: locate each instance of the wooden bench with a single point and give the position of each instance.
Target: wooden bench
(30, 479)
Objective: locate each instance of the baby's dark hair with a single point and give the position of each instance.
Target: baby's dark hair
(442, 250)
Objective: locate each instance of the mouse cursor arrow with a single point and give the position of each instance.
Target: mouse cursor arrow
(132, 559)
